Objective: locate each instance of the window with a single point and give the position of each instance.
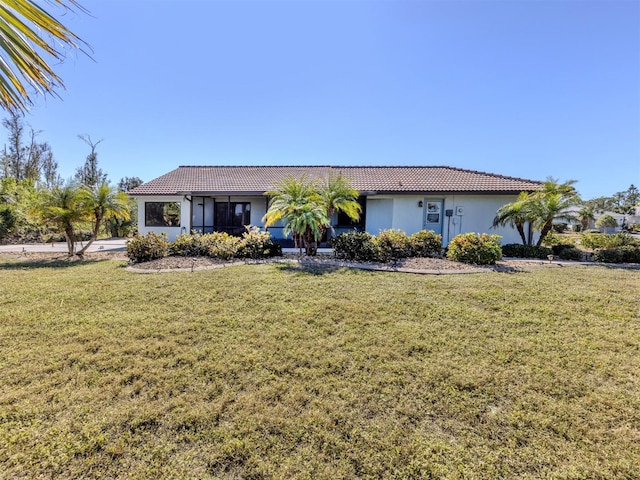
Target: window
(162, 214)
(231, 217)
(344, 222)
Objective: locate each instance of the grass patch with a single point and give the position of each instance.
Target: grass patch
(271, 371)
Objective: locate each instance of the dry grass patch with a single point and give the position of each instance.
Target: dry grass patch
(275, 371)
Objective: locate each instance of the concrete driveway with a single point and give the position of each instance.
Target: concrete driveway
(108, 245)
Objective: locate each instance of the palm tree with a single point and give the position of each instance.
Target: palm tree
(339, 196)
(63, 207)
(298, 204)
(586, 214)
(516, 214)
(24, 25)
(103, 202)
(551, 203)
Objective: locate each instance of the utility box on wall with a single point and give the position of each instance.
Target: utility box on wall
(459, 211)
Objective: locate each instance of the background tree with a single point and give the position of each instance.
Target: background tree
(586, 215)
(126, 184)
(30, 36)
(25, 158)
(90, 174)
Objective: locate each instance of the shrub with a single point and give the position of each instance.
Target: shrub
(354, 246)
(571, 253)
(577, 227)
(391, 244)
(143, 248)
(559, 227)
(258, 244)
(606, 221)
(624, 254)
(478, 249)
(220, 245)
(558, 248)
(596, 240)
(188, 246)
(518, 250)
(425, 243)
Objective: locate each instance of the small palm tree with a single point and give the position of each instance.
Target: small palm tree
(104, 202)
(24, 28)
(298, 204)
(551, 203)
(63, 207)
(339, 196)
(586, 215)
(516, 214)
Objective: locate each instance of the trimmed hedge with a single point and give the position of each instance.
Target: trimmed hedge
(517, 250)
(594, 240)
(387, 246)
(477, 249)
(625, 254)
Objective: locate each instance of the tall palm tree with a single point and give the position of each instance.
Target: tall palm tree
(24, 28)
(586, 214)
(63, 207)
(104, 202)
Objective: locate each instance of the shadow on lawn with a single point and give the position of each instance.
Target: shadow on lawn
(12, 263)
(308, 269)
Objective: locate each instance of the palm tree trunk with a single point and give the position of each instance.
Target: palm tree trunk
(543, 233)
(94, 235)
(70, 236)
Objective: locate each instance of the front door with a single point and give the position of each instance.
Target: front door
(433, 215)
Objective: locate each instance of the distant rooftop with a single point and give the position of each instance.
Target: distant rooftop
(259, 179)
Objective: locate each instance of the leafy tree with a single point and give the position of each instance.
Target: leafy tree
(30, 36)
(26, 158)
(625, 202)
(126, 184)
(606, 221)
(103, 202)
(90, 174)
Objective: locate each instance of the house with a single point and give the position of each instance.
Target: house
(446, 200)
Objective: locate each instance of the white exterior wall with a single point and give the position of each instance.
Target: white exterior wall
(172, 232)
(402, 212)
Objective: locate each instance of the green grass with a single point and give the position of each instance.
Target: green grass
(270, 371)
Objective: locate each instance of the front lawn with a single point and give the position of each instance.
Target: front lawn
(274, 371)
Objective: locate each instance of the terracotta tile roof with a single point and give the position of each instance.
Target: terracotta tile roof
(258, 179)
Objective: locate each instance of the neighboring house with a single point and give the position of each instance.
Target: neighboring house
(446, 200)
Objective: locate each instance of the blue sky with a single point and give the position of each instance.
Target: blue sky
(528, 89)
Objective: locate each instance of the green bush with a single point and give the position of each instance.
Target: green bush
(558, 248)
(143, 248)
(425, 243)
(7, 220)
(258, 244)
(517, 250)
(477, 249)
(596, 240)
(357, 246)
(188, 246)
(391, 245)
(571, 253)
(220, 245)
(606, 221)
(559, 227)
(624, 254)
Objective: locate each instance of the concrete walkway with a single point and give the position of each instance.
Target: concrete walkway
(107, 245)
